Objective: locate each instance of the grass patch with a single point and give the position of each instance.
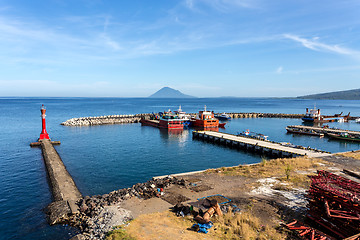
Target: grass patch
(166, 225)
(119, 234)
(285, 169)
(355, 154)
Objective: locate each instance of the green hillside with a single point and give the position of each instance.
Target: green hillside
(353, 94)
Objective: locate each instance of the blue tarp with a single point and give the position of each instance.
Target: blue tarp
(203, 228)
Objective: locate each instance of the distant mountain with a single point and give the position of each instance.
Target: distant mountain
(353, 94)
(167, 92)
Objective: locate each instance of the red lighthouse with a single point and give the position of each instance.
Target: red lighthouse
(43, 134)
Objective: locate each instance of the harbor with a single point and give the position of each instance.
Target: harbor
(120, 155)
(135, 118)
(272, 149)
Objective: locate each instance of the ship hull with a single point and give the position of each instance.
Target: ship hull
(336, 136)
(163, 124)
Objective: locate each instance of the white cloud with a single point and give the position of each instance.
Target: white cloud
(315, 45)
(279, 70)
(111, 43)
(220, 5)
(189, 4)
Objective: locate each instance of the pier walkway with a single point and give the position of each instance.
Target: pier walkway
(62, 184)
(325, 130)
(255, 145)
(63, 187)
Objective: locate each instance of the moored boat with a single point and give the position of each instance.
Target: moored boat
(168, 120)
(185, 118)
(314, 116)
(222, 116)
(205, 119)
(344, 136)
(249, 134)
(310, 132)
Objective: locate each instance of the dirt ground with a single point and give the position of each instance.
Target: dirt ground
(272, 192)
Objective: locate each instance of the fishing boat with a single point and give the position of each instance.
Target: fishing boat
(249, 134)
(291, 129)
(314, 116)
(167, 120)
(344, 136)
(222, 116)
(205, 119)
(185, 118)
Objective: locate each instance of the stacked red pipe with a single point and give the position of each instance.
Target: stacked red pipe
(334, 203)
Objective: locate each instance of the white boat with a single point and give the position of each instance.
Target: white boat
(357, 120)
(223, 116)
(185, 118)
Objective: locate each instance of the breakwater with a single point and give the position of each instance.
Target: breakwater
(121, 119)
(64, 190)
(265, 115)
(103, 120)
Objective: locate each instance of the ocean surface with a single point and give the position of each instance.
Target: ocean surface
(110, 157)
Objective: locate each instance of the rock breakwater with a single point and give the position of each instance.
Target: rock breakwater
(99, 213)
(102, 120)
(265, 115)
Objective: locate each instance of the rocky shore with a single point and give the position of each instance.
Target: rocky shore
(121, 119)
(98, 214)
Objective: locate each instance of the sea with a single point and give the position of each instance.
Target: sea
(105, 158)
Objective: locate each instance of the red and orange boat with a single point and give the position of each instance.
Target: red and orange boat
(205, 119)
(168, 121)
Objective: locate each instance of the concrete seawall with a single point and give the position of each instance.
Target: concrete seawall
(121, 119)
(63, 187)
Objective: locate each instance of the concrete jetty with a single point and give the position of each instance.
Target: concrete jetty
(262, 147)
(325, 130)
(64, 190)
(62, 184)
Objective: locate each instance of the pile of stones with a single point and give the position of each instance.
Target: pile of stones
(102, 120)
(90, 208)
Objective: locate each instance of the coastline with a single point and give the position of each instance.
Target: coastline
(229, 182)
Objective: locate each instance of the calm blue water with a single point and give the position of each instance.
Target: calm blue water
(105, 158)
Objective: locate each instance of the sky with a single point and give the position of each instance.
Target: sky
(204, 48)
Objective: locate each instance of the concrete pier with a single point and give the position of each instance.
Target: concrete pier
(325, 130)
(272, 149)
(63, 187)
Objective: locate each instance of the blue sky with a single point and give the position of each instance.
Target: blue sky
(204, 48)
